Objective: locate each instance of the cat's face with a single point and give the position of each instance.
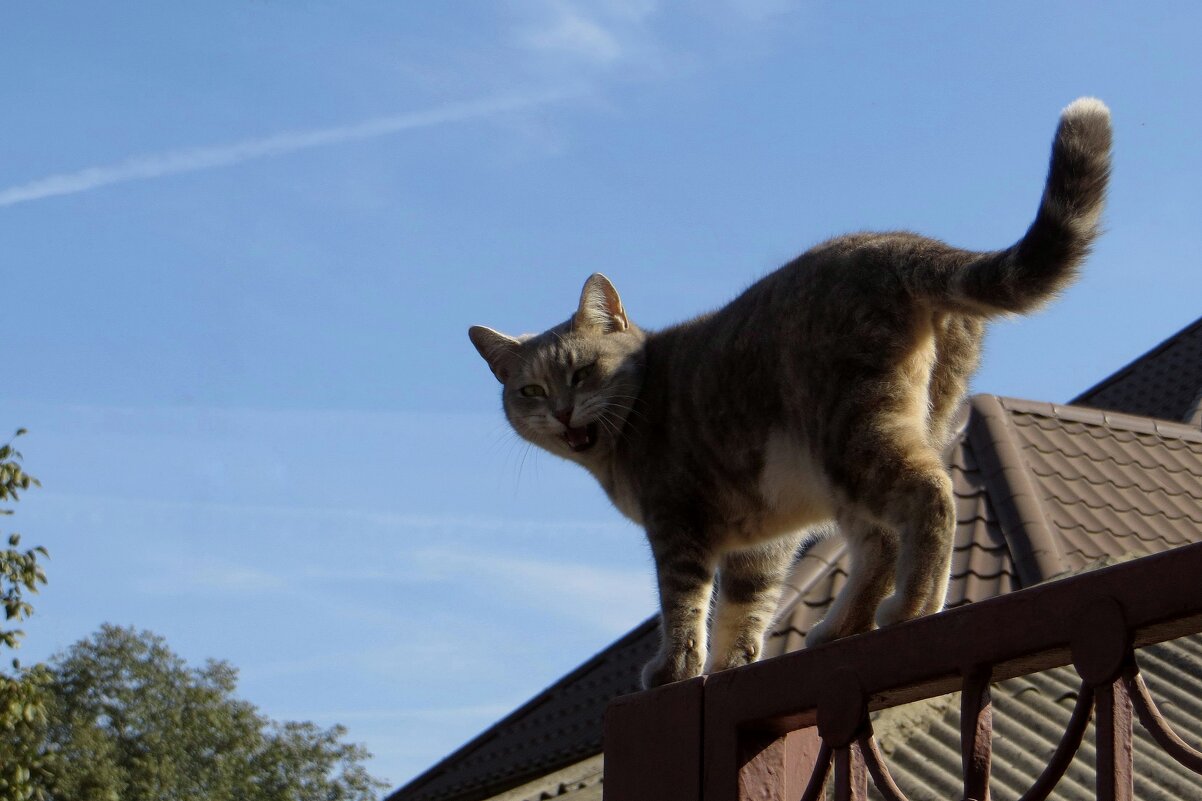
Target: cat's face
(570, 390)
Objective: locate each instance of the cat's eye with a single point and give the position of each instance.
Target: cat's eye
(533, 391)
(583, 373)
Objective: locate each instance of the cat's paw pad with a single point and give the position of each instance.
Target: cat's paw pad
(735, 657)
(895, 609)
(667, 668)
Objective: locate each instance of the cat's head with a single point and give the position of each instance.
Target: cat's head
(570, 390)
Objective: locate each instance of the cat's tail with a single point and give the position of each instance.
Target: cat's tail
(1045, 260)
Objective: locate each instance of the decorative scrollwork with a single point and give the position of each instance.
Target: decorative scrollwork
(878, 769)
(1142, 702)
(1066, 750)
(1156, 725)
(822, 766)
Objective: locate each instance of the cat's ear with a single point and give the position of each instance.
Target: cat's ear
(497, 349)
(600, 307)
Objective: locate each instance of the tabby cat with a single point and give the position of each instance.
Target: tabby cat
(822, 394)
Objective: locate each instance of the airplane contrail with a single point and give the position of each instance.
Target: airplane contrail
(156, 165)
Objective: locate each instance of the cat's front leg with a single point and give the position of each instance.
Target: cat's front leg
(686, 580)
(749, 584)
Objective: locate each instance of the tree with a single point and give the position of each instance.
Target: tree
(130, 720)
(120, 717)
(23, 693)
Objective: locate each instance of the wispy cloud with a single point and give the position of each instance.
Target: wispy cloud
(212, 577)
(174, 162)
(573, 32)
(611, 599)
(598, 34)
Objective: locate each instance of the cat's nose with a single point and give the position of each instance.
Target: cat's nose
(564, 416)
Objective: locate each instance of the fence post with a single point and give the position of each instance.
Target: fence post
(1101, 648)
(652, 744)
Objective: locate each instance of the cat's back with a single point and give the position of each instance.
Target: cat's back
(790, 350)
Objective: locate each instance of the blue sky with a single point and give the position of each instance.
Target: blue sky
(244, 241)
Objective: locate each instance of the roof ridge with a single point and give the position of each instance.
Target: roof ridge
(1021, 516)
(1119, 421)
(1128, 368)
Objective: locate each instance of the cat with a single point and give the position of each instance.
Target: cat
(823, 394)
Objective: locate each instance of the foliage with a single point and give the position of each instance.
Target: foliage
(19, 572)
(23, 694)
(131, 720)
(120, 717)
(25, 768)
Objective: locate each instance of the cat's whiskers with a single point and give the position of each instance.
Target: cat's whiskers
(609, 425)
(627, 415)
(628, 408)
(602, 409)
(506, 436)
(517, 484)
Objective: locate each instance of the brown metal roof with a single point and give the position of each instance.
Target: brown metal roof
(1166, 382)
(1041, 490)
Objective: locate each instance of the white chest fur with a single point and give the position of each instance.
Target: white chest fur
(792, 486)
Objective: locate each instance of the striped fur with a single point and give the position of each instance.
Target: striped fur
(822, 395)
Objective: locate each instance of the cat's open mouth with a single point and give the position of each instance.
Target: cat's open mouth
(581, 439)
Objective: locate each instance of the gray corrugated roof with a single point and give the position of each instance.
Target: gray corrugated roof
(578, 782)
(1040, 489)
(1029, 717)
(1163, 383)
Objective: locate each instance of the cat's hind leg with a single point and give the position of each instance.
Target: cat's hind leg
(749, 585)
(685, 573)
(870, 578)
(890, 473)
(920, 505)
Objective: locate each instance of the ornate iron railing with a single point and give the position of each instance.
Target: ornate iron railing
(781, 730)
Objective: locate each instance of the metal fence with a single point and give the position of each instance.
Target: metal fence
(783, 729)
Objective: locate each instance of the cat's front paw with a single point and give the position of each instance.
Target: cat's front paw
(821, 634)
(896, 609)
(737, 655)
(670, 667)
